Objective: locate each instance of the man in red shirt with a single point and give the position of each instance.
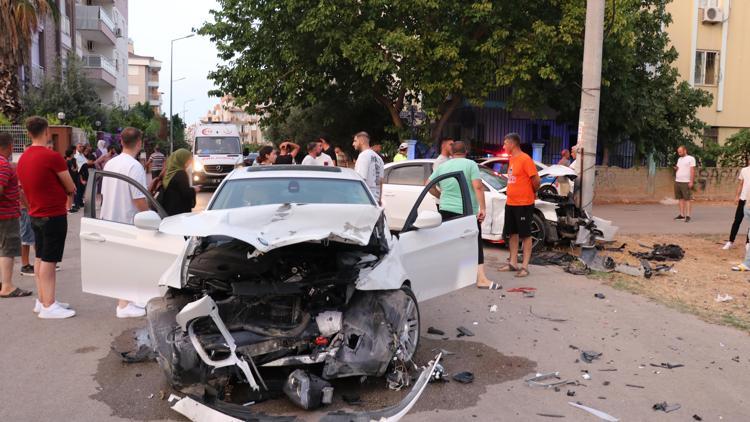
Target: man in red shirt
(46, 182)
(523, 182)
(10, 211)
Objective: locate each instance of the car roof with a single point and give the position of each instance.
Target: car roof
(296, 171)
(489, 160)
(418, 160)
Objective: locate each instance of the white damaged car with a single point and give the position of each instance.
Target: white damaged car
(289, 279)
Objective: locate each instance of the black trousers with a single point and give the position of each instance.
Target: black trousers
(738, 214)
(448, 215)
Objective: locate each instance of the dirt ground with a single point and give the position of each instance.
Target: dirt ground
(696, 280)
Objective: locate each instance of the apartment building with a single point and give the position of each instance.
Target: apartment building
(226, 111)
(96, 32)
(714, 55)
(143, 80)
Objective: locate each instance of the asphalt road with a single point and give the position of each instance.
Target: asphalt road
(707, 218)
(68, 371)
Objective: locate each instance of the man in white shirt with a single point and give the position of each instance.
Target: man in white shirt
(369, 165)
(121, 201)
(316, 157)
(743, 191)
(683, 182)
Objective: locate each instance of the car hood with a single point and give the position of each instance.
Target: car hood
(268, 227)
(556, 171)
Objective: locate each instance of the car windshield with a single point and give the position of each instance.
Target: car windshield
(217, 145)
(491, 178)
(500, 167)
(283, 190)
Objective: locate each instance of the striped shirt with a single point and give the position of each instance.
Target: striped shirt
(157, 161)
(9, 199)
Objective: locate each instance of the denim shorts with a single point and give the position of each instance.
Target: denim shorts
(27, 232)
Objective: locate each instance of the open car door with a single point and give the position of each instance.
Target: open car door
(440, 256)
(121, 260)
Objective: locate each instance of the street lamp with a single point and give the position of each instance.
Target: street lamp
(183, 107)
(171, 71)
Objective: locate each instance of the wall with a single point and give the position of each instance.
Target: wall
(614, 184)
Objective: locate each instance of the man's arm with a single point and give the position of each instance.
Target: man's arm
(67, 181)
(295, 149)
(141, 204)
(692, 177)
(479, 191)
(536, 181)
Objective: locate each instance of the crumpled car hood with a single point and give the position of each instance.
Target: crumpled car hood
(557, 170)
(268, 227)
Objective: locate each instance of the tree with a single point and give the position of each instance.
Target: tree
(73, 94)
(19, 20)
(297, 53)
(736, 150)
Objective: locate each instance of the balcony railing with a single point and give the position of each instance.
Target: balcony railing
(88, 17)
(100, 62)
(65, 25)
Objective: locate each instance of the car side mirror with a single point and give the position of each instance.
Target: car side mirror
(147, 220)
(428, 219)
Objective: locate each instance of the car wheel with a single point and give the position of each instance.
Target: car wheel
(538, 235)
(548, 189)
(409, 334)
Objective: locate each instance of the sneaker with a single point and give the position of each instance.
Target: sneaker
(73, 210)
(55, 311)
(687, 219)
(679, 217)
(38, 305)
(740, 267)
(130, 311)
(27, 270)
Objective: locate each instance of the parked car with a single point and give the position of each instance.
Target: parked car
(289, 267)
(556, 218)
(499, 164)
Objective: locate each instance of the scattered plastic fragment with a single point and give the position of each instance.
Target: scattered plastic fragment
(589, 356)
(571, 393)
(598, 413)
(634, 386)
(550, 415)
(586, 376)
(537, 380)
(463, 331)
(668, 365)
(438, 375)
(723, 298)
(493, 308)
(465, 377)
(667, 408)
(599, 295)
(143, 354)
(697, 418)
(433, 330)
(443, 351)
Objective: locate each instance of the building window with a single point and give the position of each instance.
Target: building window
(706, 67)
(711, 135)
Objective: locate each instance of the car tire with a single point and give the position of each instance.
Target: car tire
(538, 233)
(412, 326)
(547, 189)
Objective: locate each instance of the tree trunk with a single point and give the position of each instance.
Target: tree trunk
(446, 111)
(393, 108)
(10, 102)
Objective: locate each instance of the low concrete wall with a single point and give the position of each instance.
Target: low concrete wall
(614, 184)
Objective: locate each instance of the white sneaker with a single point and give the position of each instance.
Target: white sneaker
(55, 311)
(727, 246)
(747, 246)
(130, 311)
(38, 305)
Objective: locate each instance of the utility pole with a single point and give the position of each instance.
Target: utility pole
(171, 81)
(588, 119)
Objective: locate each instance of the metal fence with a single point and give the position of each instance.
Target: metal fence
(20, 138)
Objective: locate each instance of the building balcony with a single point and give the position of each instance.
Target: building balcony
(152, 83)
(37, 75)
(65, 29)
(95, 24)
(100, 70)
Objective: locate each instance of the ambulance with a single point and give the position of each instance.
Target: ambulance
(217, 151)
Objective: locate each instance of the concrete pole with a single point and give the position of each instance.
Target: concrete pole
(588, 120)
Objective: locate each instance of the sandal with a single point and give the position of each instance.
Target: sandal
(523, 272)
(508, 268)
(491, 286)
(17, 293)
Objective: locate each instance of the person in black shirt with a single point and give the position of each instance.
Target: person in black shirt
(178, 196)
(70, 160)
(329, 149)
(288, 151)
(83, 172)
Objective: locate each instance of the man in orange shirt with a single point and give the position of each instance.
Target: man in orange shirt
(523, 182)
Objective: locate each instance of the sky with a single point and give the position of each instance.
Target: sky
(151, 26)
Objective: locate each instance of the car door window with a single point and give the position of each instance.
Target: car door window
(407, 175)
(454, 177)
(94, 199)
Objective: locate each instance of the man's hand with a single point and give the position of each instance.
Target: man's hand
(481, 215)
(690, 185)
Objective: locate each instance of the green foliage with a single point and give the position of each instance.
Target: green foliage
(5, 121)
(736, 150)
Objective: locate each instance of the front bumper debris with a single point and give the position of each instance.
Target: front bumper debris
(198, 410)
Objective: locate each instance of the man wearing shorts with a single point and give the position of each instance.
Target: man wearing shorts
(46, 182)
(10, 237)
(683, 182)
(523, 182)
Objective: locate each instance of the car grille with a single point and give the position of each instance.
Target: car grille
(219, 169)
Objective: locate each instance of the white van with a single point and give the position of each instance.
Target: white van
(217, 151)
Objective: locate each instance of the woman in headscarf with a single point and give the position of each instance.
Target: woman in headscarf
(101, 148)
(178, 196)
(266, 156)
